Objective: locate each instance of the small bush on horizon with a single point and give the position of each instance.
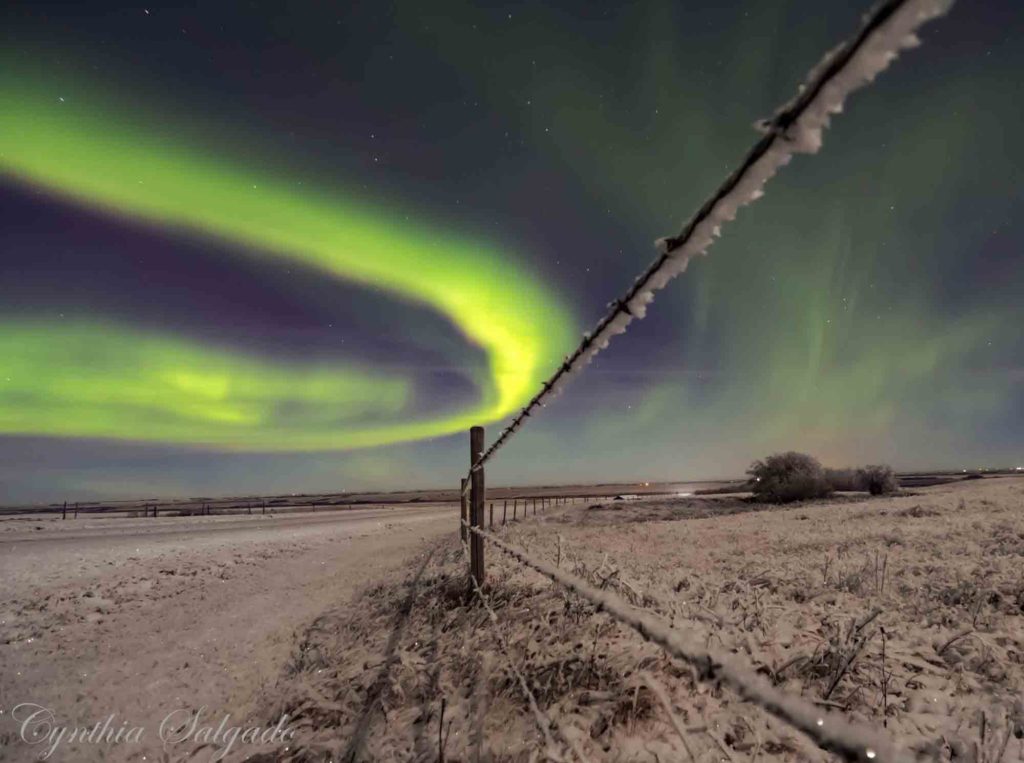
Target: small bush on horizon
(844, 480)
(792, 476)
(878, 479)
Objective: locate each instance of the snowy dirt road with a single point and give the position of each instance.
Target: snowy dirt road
(141, 617)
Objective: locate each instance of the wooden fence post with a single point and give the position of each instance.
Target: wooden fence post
(76, 509)
(464, 499)
(492, 515)
(504, 514)
(476, 543)
(155, 509)
(64, 511)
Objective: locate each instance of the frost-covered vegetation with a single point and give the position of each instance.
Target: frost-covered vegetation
(878, 479)
(905, 614)
(791, 476)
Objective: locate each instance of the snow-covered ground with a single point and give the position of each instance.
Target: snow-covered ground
(360, 626)
(141, 618)
(903, 611)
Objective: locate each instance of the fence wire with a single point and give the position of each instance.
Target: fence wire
(795, 128)
(853, 742)
(543, 722)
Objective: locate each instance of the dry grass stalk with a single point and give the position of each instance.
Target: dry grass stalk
(677, 725)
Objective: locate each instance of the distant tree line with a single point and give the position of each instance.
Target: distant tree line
(792, 476)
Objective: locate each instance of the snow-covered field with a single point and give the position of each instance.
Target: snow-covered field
(906, 612)
(148, 618)
(359, 627)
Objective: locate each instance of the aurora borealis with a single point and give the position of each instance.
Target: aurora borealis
(138, 173)
(253, 250)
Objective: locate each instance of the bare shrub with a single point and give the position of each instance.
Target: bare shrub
(878, 479)
(791, 476)
(844, 480)
(875, 479)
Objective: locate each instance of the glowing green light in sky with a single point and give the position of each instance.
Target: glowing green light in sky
(96, 152)
(129, 384)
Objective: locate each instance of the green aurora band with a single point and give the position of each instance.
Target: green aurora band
(819, 318)
(125, 384)
(101, 380)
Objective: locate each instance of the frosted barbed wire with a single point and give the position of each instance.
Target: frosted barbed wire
(831, 732)
(796, 128)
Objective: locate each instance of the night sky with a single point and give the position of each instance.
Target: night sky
(268, 247)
